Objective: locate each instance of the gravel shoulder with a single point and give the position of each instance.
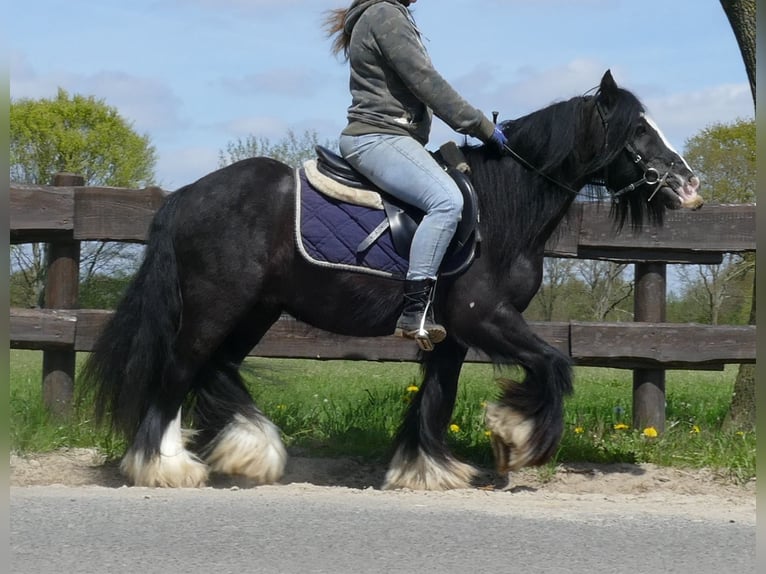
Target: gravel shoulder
(588, 488)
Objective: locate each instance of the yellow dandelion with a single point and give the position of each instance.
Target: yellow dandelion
(621, 426)
(412, 389)
(483, 404)
(740, 433)
(695, 430)
(579, 430)
(454, 428)
(487, 433)
(650, 432)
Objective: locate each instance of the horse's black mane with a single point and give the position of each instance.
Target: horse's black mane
(565, 141)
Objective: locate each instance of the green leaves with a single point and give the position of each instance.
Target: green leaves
(724, 157)
(77, 134)
(291, 149)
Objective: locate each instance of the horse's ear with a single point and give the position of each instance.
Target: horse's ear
(608, 88)
(607, 82)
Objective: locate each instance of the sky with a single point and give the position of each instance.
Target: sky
(197, 75)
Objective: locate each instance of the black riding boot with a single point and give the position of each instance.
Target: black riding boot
(417, 319)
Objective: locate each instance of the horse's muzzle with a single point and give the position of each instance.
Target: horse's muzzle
(688, 195)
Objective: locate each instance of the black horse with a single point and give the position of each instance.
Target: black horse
(221, 266)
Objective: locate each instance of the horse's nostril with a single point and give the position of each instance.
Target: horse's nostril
(694, 181)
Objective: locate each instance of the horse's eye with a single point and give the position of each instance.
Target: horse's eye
(640, 130)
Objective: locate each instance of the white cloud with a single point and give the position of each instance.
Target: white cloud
(177, 167)
(537, 88)
(259, 7)
(292, 82)
(259, 126)
(680, 114)
(683, 114)
(147, 103)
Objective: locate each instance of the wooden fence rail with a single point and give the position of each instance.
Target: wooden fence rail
(67, 213)
(618, 345)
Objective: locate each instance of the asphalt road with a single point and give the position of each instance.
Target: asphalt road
(63, 530)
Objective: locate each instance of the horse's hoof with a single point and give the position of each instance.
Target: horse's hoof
(510, 437)
(428, 473)
(181, 470)
(249, 447)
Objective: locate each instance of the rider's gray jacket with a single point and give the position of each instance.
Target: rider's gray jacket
(394, 86)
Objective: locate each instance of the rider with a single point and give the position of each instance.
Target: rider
(395, 90)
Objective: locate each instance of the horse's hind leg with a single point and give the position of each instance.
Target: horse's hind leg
(422, 460)
(234, 437)
(158, 455)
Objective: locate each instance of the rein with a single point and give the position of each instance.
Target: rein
(650, 176)
(539, 172)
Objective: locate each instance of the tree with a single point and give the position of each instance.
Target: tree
(292, 150)
(741, 15)
(556, 273)
(716, 290)
(724, 156)
(606, 287)
(81, 135)
(76, 134)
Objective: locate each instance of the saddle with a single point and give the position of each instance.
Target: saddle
(401, 219)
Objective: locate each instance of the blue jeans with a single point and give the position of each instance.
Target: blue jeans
(401, 166)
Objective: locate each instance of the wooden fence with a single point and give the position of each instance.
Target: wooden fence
(67, 213)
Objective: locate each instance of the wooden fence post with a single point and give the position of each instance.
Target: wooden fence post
(649, 384)
(61, 292)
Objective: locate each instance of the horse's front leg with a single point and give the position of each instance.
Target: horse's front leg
(422, 460)
(526, 423)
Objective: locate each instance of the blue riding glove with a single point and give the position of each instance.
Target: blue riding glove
(498, 138)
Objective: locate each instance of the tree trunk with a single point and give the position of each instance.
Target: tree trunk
(741, 414)
(741, 15)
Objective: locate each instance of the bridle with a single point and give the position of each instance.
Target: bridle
(650, 175)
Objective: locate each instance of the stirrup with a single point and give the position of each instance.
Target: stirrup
(420, 336)
(424, 340)
(423, 337)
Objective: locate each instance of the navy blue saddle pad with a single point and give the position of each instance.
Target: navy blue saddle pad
(329, 231)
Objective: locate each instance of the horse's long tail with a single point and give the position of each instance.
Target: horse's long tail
(135, 348)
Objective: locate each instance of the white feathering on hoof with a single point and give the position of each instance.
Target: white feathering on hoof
(173, 467)
(515, 431)
(249, 447)
(427, 473)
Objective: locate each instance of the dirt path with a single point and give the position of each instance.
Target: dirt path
(648, 488)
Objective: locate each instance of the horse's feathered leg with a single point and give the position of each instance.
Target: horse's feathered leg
(158, 455)
(422, 460)
(234, 436)
(527, 421)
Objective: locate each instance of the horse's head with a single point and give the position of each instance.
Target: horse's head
(644, 172)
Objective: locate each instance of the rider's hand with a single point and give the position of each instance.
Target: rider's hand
(498, 138)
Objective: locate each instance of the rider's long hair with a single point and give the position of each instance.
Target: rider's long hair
(334, 25)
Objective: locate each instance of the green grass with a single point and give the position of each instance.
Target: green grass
(33, 429)
(353, 408)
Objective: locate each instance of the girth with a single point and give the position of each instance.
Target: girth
(403, 219)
